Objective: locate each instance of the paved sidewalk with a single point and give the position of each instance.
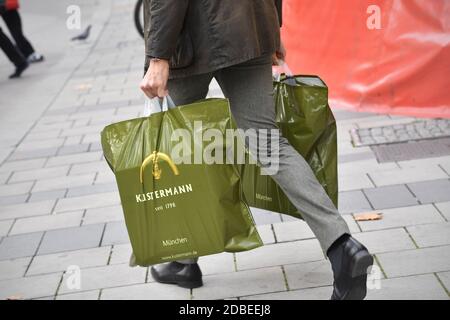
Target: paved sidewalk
(59, 205)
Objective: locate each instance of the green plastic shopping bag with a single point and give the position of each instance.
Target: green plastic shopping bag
(306, 120)
(175, 209)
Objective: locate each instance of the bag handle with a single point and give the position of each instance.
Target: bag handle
(282, 68)
(158, 105)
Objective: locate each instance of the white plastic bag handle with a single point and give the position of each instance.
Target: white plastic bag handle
(280, 69)
(157, 105)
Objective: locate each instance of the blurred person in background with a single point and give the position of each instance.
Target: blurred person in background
(22, 53)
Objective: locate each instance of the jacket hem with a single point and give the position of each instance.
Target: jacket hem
(195, 70)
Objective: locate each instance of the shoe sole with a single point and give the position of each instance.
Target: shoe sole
(361, 262)
(36, 61)
(182, 284)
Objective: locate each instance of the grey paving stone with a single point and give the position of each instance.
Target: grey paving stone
(64, 183)
(431, 191)
(120, 253)
(73, 158)
(421, 287)
(81, 130)
(47, 222)
(72, 149)
(148, 291)
(5, 226)
(419, 163)
(263, 217)
(91, 110)
(70, 239)
(17, 199)
(280, 254)
(446, 167)
(320, 293)
(105, 214)
(85, 295)
(61, 261)
(243, 283)
(407, 175)
(36, 174)
(385, 240)
(364, 167)
(413, 262)
(11, 166)
(266, 234)
(309, 275)
(26, 209)
(47, 195)
(344, 158)
(40, 144)
(95, 146)
(400, 217)
(353, 201)
(217, 263)
(115, 233)
(36, 137)
(93, 114)
(14, 268)
(46, 119)
(288, 218)
(106, 277)
(445, 278)
(73, 140)
(431, 235)
(351, 223)
(354, 182)
(19, 246)
(110, 96)
(444, 209)
(390, 197)
(4, 176)
(41, 127)
(105, 177)
(63, 111)
(290, 231)
(5, 153)
(30, 287)
(91, 138)
(88, 202)
(33, 154)
(87, 190)
(15, 189)
(95, 166)
(81, 123)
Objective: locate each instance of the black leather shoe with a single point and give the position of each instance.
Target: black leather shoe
(19, 70)
(184, 275)
(350, 261)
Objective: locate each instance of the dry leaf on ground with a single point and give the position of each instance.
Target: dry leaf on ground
(369, 216)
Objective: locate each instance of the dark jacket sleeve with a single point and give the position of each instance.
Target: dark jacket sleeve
(166, 22)
(279, 5)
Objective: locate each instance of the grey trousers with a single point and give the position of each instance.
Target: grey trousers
(249, 88)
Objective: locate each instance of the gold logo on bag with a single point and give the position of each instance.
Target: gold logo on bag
(156, 170)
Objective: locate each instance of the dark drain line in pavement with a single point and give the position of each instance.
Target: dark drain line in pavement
(403, 151)
(412, 131)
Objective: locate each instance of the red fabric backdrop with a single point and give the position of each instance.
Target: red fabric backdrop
(401, 68)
